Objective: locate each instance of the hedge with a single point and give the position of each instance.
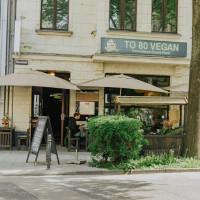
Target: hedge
(115, 138)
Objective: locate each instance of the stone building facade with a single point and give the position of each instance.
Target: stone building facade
(77, 50)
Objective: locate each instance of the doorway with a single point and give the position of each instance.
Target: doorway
(54, 103)
(52, 107)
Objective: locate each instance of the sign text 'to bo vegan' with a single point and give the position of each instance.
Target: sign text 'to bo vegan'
(143, 47)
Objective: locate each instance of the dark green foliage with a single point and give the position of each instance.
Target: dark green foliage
(162, 161)
(177, 131)
(130, 112)
(169, 18)
(167, 130)
(61, 14)
(115, 13)
(115, 138)
(146, 129)
(151, 161)
(47, 11)
(117, 10)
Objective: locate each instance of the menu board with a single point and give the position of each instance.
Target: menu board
(43, 126)
(87, 108)
(38, 134)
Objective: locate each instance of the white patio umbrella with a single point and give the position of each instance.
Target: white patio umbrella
(121, 81)
(178, 88)
(30, 77)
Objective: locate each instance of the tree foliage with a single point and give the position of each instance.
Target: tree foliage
(61, 13)
(116, 12)
(158, 15)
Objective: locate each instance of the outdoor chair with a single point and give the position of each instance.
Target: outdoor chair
(71, 141)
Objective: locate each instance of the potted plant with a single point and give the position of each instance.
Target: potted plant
(5, 120)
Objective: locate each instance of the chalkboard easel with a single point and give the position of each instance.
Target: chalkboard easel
(42, 129)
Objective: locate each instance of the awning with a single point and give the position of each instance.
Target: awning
(149, 100)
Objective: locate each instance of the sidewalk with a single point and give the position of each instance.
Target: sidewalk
(13, 163)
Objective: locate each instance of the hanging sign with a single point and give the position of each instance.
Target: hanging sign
(143, 47)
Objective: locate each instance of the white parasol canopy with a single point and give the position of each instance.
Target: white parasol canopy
(121, 81)
(30, 77)
(178, 88)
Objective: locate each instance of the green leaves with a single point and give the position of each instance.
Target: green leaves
(115, 138)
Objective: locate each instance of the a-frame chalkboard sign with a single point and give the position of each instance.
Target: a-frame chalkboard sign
(42, 129)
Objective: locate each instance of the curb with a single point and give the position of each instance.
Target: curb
(169, 170)
(63, 173)
(100, 172)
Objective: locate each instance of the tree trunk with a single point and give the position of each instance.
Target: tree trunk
(193, 126)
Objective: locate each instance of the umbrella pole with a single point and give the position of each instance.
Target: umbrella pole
(118, 111)
(115, 108)
(120, 92)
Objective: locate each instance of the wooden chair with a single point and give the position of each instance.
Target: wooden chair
(21, 138)
(70, 139)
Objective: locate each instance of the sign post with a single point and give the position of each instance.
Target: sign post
(48, 151)
(43, 128)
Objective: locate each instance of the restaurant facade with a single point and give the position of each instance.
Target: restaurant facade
(80, 40)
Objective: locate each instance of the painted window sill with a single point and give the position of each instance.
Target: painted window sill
(144, 34)
(54, 32)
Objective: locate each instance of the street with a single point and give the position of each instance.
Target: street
(176, 186)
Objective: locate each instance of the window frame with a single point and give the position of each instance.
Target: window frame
(164, 17)
(54, 17)
(122, 7)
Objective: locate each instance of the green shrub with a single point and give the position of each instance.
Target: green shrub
(115, 138)
(151, 161)
(167, 130)
(130, 112)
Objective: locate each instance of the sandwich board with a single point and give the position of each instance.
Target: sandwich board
(42, 129)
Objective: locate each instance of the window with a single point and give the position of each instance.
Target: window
(164, 16)
(111, 93)
(54, 14)
(123, 14)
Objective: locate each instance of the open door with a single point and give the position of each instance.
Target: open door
(54, 103)
(36, 106)
(64, 113)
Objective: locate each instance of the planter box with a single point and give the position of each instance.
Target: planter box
(164, 143)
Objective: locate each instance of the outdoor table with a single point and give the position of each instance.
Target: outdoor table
(84, 129)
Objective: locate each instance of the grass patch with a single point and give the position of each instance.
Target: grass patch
(162, 161)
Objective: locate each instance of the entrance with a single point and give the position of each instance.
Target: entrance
(52, 107)
(54, 103)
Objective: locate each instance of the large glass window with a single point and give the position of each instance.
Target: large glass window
(110, 93)
(164, 16)
(54, 14)
(123, 14)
